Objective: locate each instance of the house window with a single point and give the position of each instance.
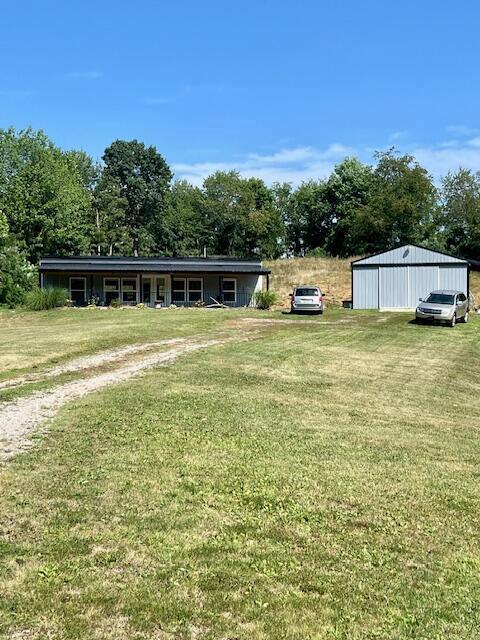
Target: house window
(195, 289)
(178, 290)
(187, 290)
(111, 288)
(229, 290)
(129, 290)
(78, 290)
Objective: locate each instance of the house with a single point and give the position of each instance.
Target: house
(157, 282)
(396, 279)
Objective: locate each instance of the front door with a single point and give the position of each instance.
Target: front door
(147, 291)
(161, 290)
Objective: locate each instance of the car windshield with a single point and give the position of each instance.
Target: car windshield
(306, 292)
(440, 298)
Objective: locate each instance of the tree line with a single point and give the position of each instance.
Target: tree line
(56, 202)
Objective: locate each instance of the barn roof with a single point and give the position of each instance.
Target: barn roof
(408, 254)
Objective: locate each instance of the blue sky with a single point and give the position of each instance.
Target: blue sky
(282, 90)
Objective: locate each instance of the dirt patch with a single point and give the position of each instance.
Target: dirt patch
(20, 418)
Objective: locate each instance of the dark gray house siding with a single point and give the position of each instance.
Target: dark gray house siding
(156, 281)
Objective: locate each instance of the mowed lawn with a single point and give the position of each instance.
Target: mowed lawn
(318, 481)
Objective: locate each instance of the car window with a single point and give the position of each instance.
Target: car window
(304, 291)
(461, 297)
(440, 298)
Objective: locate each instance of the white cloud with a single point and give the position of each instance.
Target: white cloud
(475, 142)
(398, 135)
(439, 160)
(293, 165)
(302, 163)
(462, 130)
(86, 75)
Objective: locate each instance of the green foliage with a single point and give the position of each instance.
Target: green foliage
(402, 206)
(264, 299)
(43, 195)
(115, 303)
(143, 178)
(318, 252)
(17, 276)
(48, 298)
(460, 196)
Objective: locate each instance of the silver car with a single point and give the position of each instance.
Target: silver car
(443, 306)
(306, 298)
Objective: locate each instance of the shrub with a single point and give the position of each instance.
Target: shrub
(318, 252)
(48, 298)
(115, 303)
(17, 276)
(264, 299)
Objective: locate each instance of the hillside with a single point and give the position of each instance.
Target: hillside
(331, 274)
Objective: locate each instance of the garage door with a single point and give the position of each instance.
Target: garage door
(393, 287)
(422, 280)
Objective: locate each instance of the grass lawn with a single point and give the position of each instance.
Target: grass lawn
(29, 341)
(319, 481)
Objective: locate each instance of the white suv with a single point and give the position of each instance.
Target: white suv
(306, 298)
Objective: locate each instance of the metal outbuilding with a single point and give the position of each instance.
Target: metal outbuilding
(396, 279)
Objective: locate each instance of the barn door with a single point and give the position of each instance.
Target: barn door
(393, 287)
(422, 280)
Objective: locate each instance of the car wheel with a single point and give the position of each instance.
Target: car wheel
(465, 317)
(453, 321)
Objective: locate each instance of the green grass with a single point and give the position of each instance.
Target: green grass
(318, 481)
(30, 341)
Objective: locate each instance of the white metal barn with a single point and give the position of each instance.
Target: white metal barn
(396, 279)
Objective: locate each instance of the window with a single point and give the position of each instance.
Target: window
(111, 287)
(77, 290)
(187, 290)
(178, 290)
(307, 292)
(440, 298)
(129, 290)
(229, 290)
(461, 297)
(195, 289)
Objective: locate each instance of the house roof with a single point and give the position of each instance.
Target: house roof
(408, 254)
(92, 264)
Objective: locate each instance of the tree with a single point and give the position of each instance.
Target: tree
(402, 207)
(110, 233)
(186, 229)
(460, 197)
(43, 195)
(348, 188)
(242, 216)
(17, 276)
(144, 179)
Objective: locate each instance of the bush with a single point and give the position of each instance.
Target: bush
(264, 299)
(48, 298)
(318, 252)
(17, 276)
(115, 303)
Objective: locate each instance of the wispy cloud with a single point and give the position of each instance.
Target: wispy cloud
(294, 165)
(86, 75)
(398, 135)
(462, 130)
